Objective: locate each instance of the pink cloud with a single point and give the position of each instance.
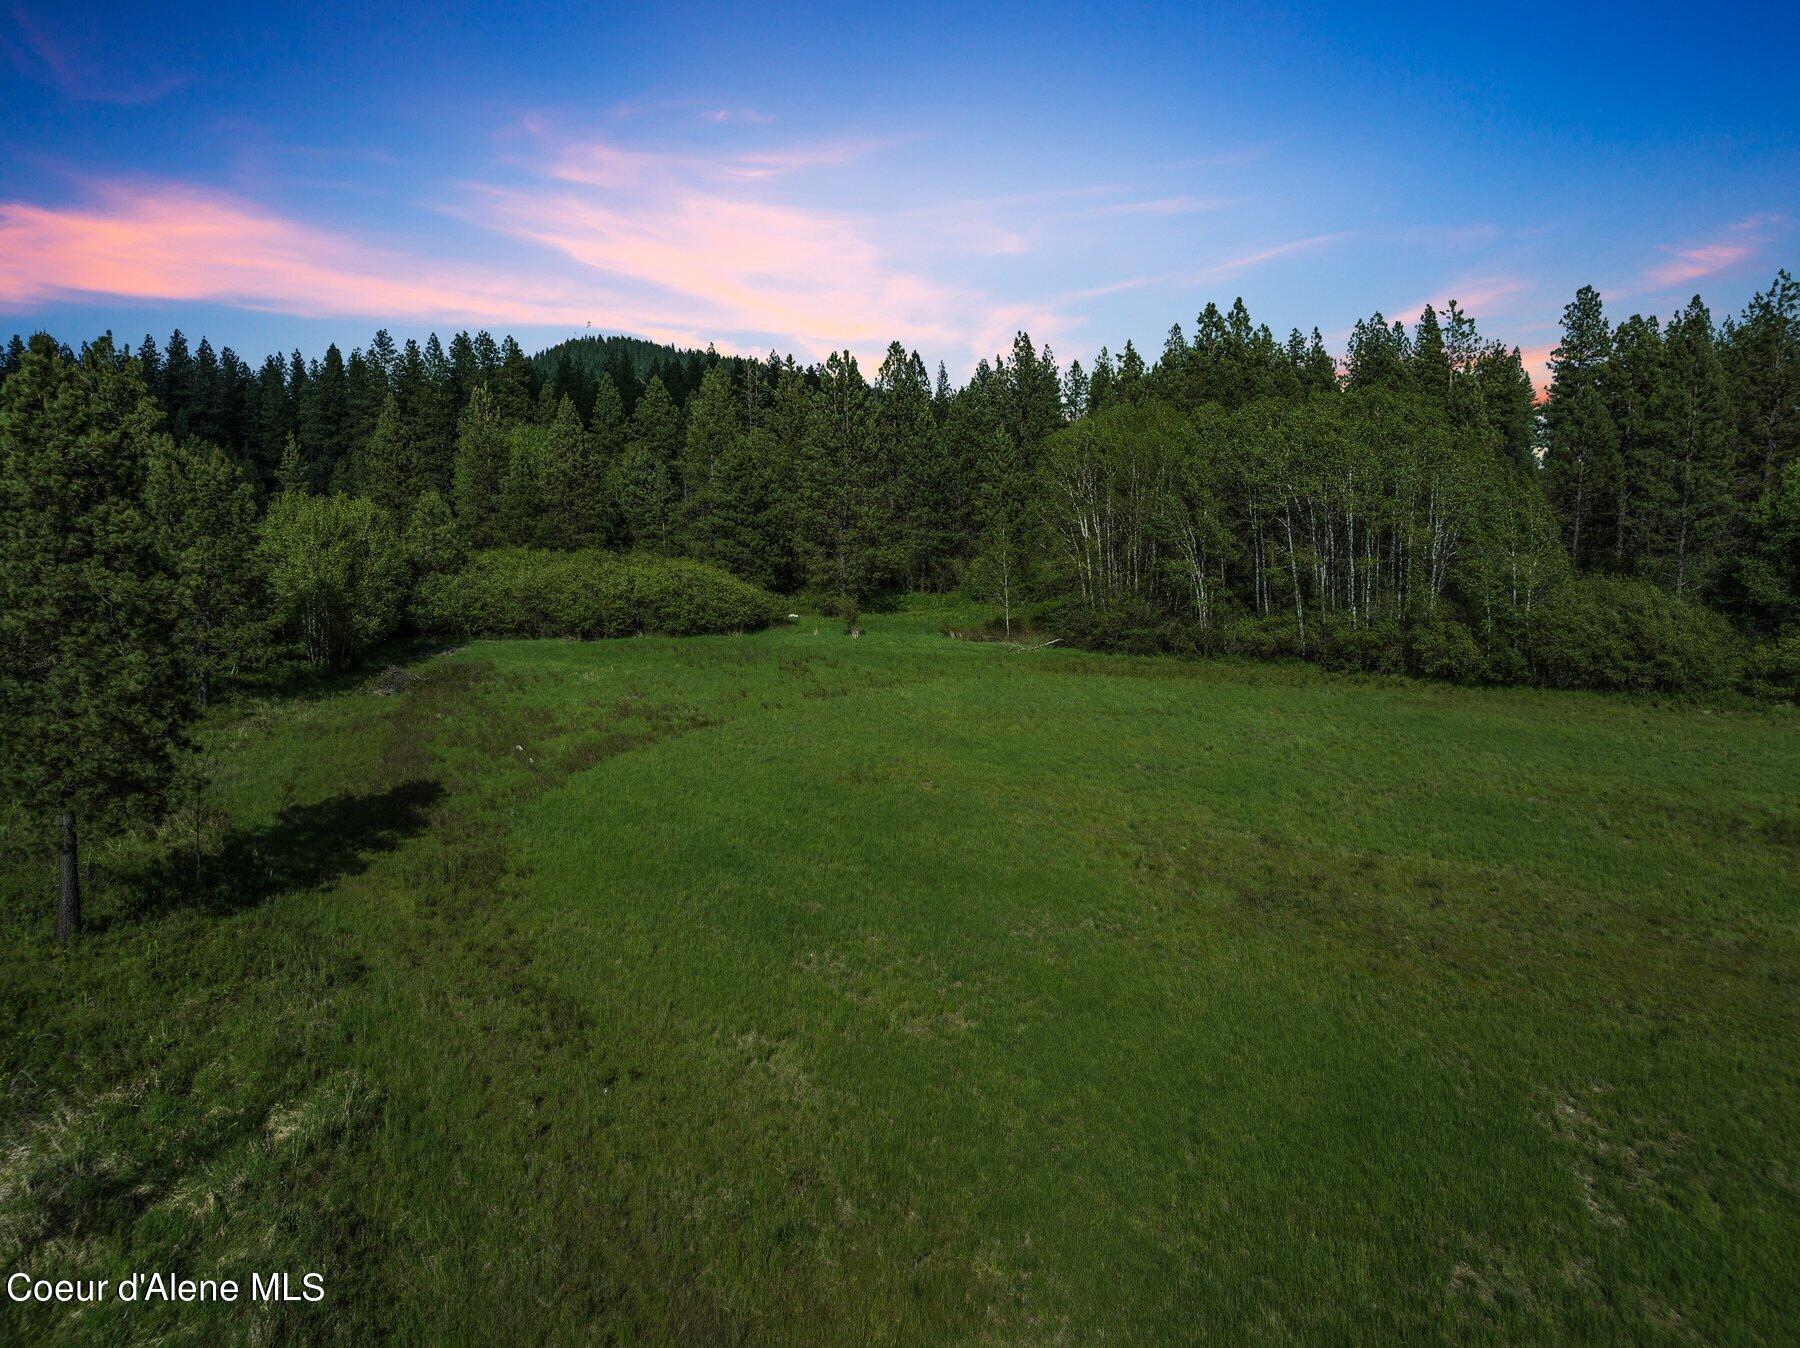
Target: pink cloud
(1479, 296)
(173, 242)
(1737, 243)
(701, 235)
(1691, 264)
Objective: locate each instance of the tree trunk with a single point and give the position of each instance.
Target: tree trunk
(68, 882)
(205, 687)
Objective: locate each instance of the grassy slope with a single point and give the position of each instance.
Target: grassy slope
(788, 986)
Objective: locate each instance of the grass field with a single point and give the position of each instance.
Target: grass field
(793, 987)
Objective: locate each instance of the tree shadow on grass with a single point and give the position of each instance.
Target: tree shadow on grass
(303, 847)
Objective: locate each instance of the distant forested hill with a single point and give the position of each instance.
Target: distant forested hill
(574, 368)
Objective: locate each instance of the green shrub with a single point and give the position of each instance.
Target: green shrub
(1445, 649)
(1129, 627)
(1274, 636)
(525, 592)
(1599, 632)
(1772, 668)
(1374, 648)
(337, 571)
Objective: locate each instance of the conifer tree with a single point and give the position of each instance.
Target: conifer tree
(1429, 366)
(434, 544)
(94, 696)
(1696, 498)
(177, 386)
(1762, 360)
(1131, 374)
(1633, 383)
(389, 472)
(324, 418)
(1581, 457)
(482, 448)
(712, 432)
(294, 474)
(570, 481)
(643, 476)
(911, 458)
(514, 390)
(846, 532)
(204, 510)
(1378, 356)
(525, 519)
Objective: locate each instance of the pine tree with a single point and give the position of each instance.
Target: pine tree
(514, 389)
(712, 432)
(1075, 392)
(847, 529)
(525, 518)
(1633, 384)
(1429, 364)
(911, 458)
(1762, 359)
(389, 472)
(643, 482)
(1379, 355)
(1581, 459)
(93, 693)
(571, 481)
(1103, 386)
(1319, 373)
(365, 395)
(743, 527)
(1131, 374)
(177, 384)
(270, 421)
(482, 448)
(1509, 402)
(204, 510)
(1697, 498)
(324, 418)
(434, 544)
(294, 474)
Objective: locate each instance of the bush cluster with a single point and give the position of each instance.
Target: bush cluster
(1589, 632)
(528, 592)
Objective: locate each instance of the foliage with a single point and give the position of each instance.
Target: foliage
(1606, 632)
(206, 520)
(338, 574)
(95, 685)
(587, 593)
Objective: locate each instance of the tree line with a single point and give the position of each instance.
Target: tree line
(175, 520)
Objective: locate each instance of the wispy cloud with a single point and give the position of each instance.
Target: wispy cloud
(720, 116)
(169, 241)
(1176, 205)
(706, 239)
(72, 68)
(1478, 296)
(1694, 261)
(606, 164)
(1224, 270)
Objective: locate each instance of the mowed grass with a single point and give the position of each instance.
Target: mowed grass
(800, 988)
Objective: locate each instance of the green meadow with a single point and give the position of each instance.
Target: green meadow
(801, 988)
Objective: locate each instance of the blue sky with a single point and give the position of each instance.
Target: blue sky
(766, 177)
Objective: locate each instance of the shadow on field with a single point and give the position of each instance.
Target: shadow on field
(303, 847)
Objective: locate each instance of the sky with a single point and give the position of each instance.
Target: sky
(774, 177)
